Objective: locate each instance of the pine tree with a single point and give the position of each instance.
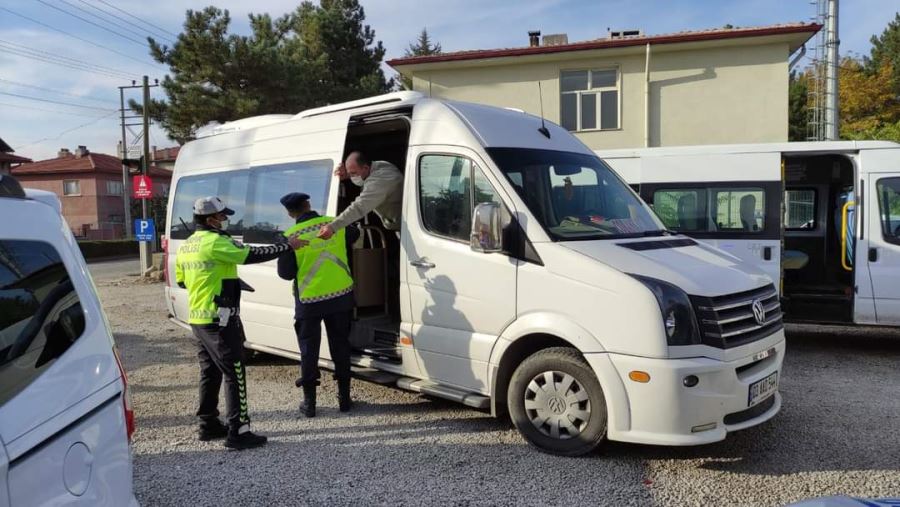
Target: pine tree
(423, 46)
(317, 55)
(886, 51)
(798, 94)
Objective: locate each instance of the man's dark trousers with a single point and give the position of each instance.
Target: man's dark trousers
(309, 337)
(221, 355)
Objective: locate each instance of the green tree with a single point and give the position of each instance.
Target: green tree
(423, 46)
(314, 56)
(869, 107)
(798, 96)
(886, 50)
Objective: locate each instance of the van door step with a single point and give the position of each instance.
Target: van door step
(441, 391)
(364, 373)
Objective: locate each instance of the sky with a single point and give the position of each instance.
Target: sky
(45, 106)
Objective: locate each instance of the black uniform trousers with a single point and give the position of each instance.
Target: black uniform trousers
(221, 355)
(308, 327)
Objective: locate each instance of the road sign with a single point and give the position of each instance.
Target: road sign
(142, 187)
(144, 230)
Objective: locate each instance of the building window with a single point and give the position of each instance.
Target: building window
(589, 99)
(116, 219)
(71, 187)
(114, 188)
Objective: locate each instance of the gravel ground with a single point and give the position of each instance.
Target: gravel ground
(838, 433)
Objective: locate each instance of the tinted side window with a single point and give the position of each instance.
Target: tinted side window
(230, 186)
(889, 204)
(800, 209)
(444, 186)
(40, 314)
(681, 210)
(738, 209)
(267, 218)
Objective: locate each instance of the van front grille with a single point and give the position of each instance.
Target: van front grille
(729, 321)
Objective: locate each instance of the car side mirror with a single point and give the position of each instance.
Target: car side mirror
(486, 229)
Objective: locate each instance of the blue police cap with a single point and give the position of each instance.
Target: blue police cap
(294, 200)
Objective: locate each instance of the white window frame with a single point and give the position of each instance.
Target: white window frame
(77, 190)
(594, 91)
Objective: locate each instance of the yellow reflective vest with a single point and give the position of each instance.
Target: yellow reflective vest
(322, 269)
(205, 262)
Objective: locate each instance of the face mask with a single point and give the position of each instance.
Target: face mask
(357, 180)
(223, 225)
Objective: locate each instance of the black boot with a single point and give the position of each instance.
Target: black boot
(344, 402)
(308, 406)
(212, 429)
(246, 440)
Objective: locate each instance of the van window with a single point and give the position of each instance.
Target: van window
(682, 210)
(738, 209)
(40, 314)
(267, 218)
(444, 186)
(230, 186)
(889, 204)
(800, 209)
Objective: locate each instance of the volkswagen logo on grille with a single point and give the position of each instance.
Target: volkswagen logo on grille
(759, 311)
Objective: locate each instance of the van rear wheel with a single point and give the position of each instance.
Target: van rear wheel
(556, 402)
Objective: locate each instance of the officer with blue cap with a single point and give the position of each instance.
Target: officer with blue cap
(323, 292)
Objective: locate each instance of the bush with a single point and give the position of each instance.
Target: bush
(108, 248)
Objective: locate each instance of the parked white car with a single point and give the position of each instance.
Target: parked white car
(532, 280)
(65, 412)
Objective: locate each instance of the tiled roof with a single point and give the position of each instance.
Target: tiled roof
(5, 147)
(92, 162)
(672, 38)
(166, 154)
(13, 159)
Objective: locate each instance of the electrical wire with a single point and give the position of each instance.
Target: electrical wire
(136, 41)
(64, 132)
(54, 111)
(70, 104)
(82, 39)
(60, 58)
(58, 92)
(63, 62)
(123, 20)
(163, 30)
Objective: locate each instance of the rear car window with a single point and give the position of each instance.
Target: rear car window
(40, 314)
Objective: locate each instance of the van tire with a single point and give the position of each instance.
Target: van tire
(562, 364)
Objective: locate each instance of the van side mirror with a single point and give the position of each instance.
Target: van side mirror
(486, 228)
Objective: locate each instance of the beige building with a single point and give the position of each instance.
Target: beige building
(630, 90)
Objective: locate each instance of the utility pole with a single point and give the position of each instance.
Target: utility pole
(831, 84)
(126, 195)
(145, 245)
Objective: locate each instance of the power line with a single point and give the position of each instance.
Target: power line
(82, 39)
(44, 56)
(136, 41)
(58, 92)
(69, 66)
(120, 18)
(64, 132)
(54, 111)
(163, 30)
(55, 101)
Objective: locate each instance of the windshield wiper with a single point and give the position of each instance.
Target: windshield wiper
(657, 232)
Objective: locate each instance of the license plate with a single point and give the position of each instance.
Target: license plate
(762, 389)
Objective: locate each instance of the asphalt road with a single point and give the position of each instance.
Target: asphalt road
(838, 433)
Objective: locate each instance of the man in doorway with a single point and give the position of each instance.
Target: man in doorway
(323, 291)
(382, 192)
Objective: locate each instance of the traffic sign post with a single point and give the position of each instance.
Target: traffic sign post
(142, 187)
(144, 229)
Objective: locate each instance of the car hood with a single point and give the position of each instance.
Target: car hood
(696, 268)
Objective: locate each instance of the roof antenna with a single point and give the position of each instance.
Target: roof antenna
(543, 129)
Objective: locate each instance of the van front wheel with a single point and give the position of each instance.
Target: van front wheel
(556, 402)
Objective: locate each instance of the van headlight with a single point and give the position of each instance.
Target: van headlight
(678, 319)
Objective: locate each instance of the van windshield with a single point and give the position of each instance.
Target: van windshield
(575, 196)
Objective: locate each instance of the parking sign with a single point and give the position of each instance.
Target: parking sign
(144, 230)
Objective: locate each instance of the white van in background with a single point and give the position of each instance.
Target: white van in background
(532, 280)
(65, 413)
(834, 206)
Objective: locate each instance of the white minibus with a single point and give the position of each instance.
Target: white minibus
(532, 280)
(820, 218)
